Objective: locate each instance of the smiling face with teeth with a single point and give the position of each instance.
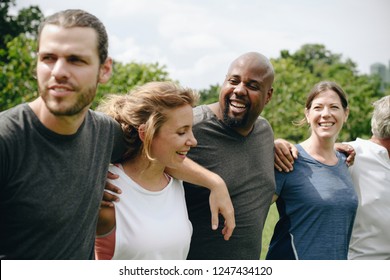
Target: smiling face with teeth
(174, 138)
(246, 90)
(326, 115)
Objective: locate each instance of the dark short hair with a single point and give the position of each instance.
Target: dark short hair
(79, 18)
(319, 88)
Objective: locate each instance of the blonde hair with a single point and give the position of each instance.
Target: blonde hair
(149, 105)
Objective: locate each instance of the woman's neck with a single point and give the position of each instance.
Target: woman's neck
(148, 175)
(323, 151)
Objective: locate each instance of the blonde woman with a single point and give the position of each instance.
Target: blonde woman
(151, 220)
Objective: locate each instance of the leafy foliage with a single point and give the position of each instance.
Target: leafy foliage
(26, 22)
(127, 76)
(17, 54)
(209, 95)
(17, 82)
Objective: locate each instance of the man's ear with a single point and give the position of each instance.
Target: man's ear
(269, 95)
(105, 71)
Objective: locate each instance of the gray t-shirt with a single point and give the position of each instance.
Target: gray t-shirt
(52, 185)
(247, 166)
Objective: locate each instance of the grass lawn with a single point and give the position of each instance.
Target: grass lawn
(272, 218)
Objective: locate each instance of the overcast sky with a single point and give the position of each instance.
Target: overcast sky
(197, 39)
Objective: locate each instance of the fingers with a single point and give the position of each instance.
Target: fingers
(283, 160)
(112, 188)
(106, 204)
(294, 152)
(109, 192)
(109, 197)
(221, 204)
(279, 165)
(348, 150)
(229, 223)
(351, 157)
(112, 176)
(228, 229)
(214, 218)
(285, 153)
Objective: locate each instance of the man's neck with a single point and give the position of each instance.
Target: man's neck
(384, 142)
(65, 125)
(216, 108)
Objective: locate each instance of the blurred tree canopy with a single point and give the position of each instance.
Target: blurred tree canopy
(127, 76)
(17, 54)
(296, 74)
(17, 73)
(27, 22)
(209, 95)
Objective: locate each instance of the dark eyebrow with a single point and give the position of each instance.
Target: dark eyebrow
(44, 53)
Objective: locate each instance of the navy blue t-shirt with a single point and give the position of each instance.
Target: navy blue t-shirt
(317, 205)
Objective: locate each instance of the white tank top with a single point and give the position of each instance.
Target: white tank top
(151, 225)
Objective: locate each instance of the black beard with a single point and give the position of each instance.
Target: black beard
(231, 121)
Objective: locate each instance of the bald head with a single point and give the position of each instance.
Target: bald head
(257, 62)
(246, 90)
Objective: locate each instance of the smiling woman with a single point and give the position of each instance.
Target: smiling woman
(157, 122)
(317, 200)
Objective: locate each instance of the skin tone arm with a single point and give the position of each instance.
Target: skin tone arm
(220, 202)
(285, 153)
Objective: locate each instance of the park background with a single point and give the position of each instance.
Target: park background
(297, 68)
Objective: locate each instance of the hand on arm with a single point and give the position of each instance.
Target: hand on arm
(348, 150)
(108, 197)
(285, 153)
(220, 202)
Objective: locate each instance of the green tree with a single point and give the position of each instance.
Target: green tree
(17, 82)
(127, 76)
(209, 95)
(25, 22)
(17, 54)
(8, 26)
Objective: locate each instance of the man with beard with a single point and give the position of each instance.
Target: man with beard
(236, 143)
(55, 151)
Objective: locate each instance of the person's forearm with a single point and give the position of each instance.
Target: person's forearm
(220, 202)
(195, 174)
